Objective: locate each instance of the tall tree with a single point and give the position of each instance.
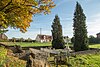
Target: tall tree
(57, 41)
(18, 13)
(80, 31)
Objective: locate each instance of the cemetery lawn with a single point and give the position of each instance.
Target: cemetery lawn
(95, 46)
(26, 44)
(88, 60)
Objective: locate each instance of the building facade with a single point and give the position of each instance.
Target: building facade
(43, 38)
(98, 35)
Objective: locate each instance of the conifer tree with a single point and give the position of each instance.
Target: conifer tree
(80, 31)
(57, 42)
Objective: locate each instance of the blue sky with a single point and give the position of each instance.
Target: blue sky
(65, 10)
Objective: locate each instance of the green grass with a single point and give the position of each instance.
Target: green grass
(3, 53)
(9, 61)
(91, 60)
(94, 46)
(25, 44)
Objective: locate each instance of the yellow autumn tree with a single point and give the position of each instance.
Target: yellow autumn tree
(18, 13)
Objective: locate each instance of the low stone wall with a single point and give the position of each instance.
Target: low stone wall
(38, 54)
(35, 47)
(34, 58)
(37, 58)
(38, 63)
(91, 51)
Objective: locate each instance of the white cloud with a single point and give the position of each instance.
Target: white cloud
(94, 24)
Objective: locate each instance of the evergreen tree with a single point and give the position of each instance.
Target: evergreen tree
(57, 42)
(80, 31)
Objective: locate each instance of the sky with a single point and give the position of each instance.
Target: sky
(65, 10)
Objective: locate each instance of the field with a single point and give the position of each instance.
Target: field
(25, 44)
(95, 46)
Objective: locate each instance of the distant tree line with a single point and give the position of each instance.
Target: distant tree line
(91, 38)
(94, 40)
(21, 40)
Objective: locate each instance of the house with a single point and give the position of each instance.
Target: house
(43, 38)
(98, 35)
(3, 37)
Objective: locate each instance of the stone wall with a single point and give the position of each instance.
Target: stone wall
(91, 51)
(37, 58)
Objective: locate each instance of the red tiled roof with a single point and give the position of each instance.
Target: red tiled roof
(46, 36)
